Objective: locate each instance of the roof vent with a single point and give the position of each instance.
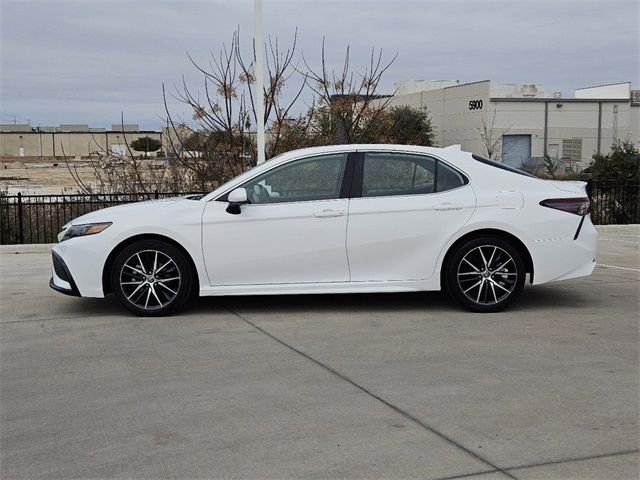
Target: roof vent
(557, 94)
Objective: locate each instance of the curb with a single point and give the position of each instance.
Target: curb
(28, 248)
(612, 227)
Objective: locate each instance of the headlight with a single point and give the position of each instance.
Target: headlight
(85, 229)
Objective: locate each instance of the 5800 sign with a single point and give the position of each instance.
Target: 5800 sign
(475, 104)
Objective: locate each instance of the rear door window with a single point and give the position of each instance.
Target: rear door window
(390, 174)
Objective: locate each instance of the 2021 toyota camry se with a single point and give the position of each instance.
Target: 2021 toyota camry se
(337, 219)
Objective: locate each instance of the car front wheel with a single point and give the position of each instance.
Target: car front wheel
(485, 274)
(151, 278)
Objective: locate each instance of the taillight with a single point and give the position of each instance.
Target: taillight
(577, 206)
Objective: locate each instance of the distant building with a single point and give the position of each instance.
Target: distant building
(524, 122)
(71, 140)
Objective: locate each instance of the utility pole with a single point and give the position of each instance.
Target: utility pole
(259, 46)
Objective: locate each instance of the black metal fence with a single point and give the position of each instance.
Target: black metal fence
(39, 218)
(614, 202)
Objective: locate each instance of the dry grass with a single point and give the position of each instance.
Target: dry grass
(34, 175)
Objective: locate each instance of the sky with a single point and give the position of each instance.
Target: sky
(86, 61)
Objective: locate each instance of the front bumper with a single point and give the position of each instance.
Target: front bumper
(61, 279)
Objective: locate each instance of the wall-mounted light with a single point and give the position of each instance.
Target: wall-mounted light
(558, 105)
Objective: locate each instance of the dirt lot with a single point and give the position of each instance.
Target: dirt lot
(352, 386)
(47, 176)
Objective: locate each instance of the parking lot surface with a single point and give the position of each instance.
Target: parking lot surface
(351, 386)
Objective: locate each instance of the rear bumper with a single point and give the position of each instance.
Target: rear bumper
(566, 257)
(61, 279)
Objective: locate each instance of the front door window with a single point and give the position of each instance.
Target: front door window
(314, 178)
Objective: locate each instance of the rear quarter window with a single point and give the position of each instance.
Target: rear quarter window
(449, 178)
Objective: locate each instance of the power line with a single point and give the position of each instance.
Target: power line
(15, 118)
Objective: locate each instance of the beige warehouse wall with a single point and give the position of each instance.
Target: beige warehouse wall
(34, 144)
(566, 120)
(611, 120)
(73, 144)
(462, 123)
(572, 121)
(521, 118)
(634, 123)
(455, 123)
(452, 120)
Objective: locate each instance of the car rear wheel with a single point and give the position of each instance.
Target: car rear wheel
(485, 274)
(151, 278)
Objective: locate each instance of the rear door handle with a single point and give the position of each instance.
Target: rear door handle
(327, 213)
(448, 206)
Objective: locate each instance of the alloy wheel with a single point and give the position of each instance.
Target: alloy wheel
(487, 274)
(150, 279)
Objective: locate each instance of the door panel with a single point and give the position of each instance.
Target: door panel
(276, 243)
(400, 238)
(399, 234)
(293, 230)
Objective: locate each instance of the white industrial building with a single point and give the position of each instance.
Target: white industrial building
(522, 123)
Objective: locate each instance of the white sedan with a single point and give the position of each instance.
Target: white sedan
(337, 219)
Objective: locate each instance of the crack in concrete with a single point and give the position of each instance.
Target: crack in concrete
(397, 409)
(544, 464)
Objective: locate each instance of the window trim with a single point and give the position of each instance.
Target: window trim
(356, 191)
(345, 186)
(501, 166)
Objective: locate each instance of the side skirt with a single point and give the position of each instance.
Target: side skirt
(330, 287)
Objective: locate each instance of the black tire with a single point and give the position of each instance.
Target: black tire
(152, 293)
(480, 288)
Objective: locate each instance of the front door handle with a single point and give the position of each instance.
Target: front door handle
(448, 206)
(328, 213)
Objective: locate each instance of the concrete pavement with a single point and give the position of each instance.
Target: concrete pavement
(351, 386)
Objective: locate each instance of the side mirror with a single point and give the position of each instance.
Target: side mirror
(236, 198)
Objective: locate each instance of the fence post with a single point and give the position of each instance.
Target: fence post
(20, 219)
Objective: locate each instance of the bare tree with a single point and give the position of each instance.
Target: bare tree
(348, 109)
(287, 128)
(224, 113)
(492, 137)
(115, 173)
(220, 122)
(216, 140)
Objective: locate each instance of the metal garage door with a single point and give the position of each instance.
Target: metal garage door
(516, 149)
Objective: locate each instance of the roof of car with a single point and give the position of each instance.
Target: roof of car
(302, 152)
(366, 146)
